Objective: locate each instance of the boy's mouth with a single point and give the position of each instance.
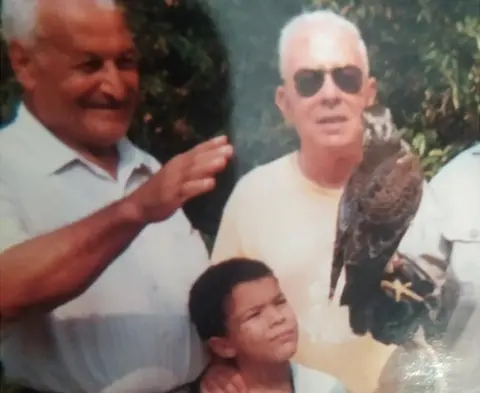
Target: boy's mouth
(285, 335)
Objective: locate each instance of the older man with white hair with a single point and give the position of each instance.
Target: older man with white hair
(96, 255)
(284, 212)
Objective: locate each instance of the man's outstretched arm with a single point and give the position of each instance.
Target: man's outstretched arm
(42, 273)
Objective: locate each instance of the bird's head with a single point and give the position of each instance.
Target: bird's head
(380, 127)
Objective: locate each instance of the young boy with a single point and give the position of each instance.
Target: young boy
(241, 314)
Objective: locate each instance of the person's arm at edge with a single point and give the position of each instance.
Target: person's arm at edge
(424, 238)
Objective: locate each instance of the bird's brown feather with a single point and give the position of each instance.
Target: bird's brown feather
(377, 205)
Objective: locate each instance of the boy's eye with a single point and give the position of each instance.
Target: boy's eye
(252, 315)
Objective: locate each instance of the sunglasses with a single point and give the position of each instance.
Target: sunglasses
(308, 82)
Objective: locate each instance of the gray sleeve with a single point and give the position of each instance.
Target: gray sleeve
(415, 370)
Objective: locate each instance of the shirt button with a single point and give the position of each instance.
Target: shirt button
(474, 233)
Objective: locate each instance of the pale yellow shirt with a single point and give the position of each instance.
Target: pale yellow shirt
(277, 215)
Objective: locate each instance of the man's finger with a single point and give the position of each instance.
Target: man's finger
(218, 385)
(193, 188)
(238, 384)
(206, 386)
(230, 382)
(207, 167)
(219, 151)
(225, 387)
(210, 144)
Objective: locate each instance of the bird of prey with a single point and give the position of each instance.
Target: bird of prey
(377, 205)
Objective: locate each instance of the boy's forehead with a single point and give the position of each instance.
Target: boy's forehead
(253, 293)
(322, 48)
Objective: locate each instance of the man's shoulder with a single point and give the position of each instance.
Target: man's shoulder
(265, 175)
(456, 188)
(9, 139)
(310, 380)
(12, 152)
(458, 171)
(457, 182)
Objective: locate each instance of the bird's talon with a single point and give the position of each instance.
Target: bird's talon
(400, 289)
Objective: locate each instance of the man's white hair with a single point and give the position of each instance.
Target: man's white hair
(19, 18)
(320, 18)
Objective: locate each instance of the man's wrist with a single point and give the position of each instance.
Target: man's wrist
(131, 212)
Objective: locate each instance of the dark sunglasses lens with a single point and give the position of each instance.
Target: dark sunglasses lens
(349, 79)
(308, 82)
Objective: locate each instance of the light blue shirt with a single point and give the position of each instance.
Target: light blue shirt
(130, 330)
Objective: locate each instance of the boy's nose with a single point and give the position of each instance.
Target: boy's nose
(275, 316)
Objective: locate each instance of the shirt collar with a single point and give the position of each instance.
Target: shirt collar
(53, 155)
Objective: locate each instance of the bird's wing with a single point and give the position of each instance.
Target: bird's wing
(347, 215)
(388, 205)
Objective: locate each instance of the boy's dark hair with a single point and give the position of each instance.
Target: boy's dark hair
(211, 291)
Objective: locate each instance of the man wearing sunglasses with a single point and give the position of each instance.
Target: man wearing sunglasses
(284, 212)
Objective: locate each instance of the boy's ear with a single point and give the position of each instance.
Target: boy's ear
(221, 347)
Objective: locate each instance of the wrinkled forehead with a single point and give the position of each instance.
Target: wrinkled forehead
(86, 26)
(322, 48)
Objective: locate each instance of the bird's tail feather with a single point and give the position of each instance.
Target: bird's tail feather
(358, 318)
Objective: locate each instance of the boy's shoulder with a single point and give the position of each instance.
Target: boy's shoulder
(308, 380)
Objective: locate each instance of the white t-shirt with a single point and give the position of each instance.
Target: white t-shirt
(307, 380)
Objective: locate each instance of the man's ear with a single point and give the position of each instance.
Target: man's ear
(371, 92)
(281, 100)
(22, 63)
(221, 347)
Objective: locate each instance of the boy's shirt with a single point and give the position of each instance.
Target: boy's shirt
(308, 380)
(304, 380)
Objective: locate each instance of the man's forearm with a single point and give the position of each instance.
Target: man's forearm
(46, 271)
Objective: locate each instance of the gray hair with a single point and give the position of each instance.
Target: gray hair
(318, 18)
(19, 18)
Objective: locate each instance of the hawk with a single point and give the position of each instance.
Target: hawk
(377, 206)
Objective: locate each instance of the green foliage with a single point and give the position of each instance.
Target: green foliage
(210, 67)
(426, 57)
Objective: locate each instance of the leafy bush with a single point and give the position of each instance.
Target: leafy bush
(210, 67)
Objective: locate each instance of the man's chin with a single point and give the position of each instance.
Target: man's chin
(107, 133)
(335, 141)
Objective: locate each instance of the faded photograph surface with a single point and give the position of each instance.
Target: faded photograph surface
(230, 197)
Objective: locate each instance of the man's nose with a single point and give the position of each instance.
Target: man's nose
(112, 83)
(329, 94)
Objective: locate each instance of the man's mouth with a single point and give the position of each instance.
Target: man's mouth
(108, 107)
(332, 120)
